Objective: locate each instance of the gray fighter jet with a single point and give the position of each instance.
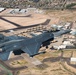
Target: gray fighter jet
(29, 45)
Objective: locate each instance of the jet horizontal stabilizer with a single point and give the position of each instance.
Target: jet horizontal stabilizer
(5, 56)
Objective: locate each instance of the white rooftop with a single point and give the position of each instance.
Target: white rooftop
(73, 59)
(1, 9)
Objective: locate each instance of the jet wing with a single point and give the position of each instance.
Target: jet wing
(5, 55)
(32, 49)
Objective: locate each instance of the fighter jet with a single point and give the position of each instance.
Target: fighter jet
(30, 46)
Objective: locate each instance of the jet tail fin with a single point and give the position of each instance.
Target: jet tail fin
(5, 56)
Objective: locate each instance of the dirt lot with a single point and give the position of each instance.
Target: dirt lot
(66, 15)
(8, 21)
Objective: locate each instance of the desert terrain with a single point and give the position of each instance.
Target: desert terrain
(56, 16)
(53, 62)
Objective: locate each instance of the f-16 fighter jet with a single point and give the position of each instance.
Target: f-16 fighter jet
(30, 46)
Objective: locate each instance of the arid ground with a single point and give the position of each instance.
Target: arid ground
(53, 63)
